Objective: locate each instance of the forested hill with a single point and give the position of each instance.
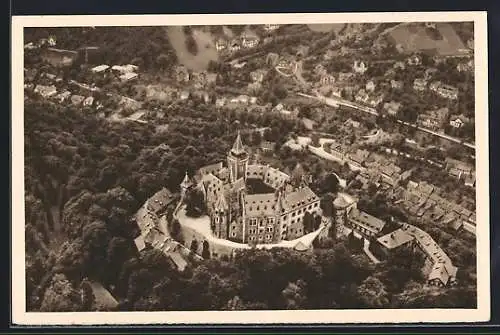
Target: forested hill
(85, 177)
(147, 47)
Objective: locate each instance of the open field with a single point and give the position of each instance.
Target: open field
(325, 28)
(416, 37)
(206, 48)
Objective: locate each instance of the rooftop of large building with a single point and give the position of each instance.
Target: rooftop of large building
(395, 239)
(366, 220)
(297, 198)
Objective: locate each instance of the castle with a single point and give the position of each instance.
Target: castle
(240, 215)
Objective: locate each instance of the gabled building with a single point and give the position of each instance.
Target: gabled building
(364, 223)
(448, 91)
(458, 121)
(396, 84)
(433, 119)
(414, 60)
(420, 84)
(359, 67)
(392, 108)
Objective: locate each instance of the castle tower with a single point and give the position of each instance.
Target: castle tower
(185, 185)
(237, 160)
(220, 218)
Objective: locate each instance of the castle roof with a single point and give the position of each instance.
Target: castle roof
(297, 198)
(260, 204)
(238, 148)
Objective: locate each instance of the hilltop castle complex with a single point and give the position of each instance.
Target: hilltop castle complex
(239, 213)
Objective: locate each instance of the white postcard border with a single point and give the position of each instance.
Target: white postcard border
(482, 313)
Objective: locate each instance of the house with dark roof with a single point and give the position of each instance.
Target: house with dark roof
(364, 223)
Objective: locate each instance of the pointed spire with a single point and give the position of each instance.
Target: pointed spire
(221, 204)
(238, 145)
(186, 182)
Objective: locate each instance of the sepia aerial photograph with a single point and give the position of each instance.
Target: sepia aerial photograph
(250, 167)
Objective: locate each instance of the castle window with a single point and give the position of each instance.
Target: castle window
(268, 237)
(258, 207)
(252, 238)
(233, 234)
(234, 227)
(261, 238)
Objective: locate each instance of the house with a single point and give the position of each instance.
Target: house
(429, 73)
(302, 51)
(399, 65)
(61, 97)
(271, 27)
(254, 87)
(182, 74)
(329, 54)
(220, 102)
(184, 95)
(358, 157)
(221, 44)
(308, 123)
(359, 67)
(258, 75)
(89, 101)
(362, 96)
(351, 123)
(77, 99)
(46, 91)
(470, 180)
(320, 70)
(392, 108)
(448, 91)
(433, 119)
(390, 73)
(345, 76)
(339, 150)
(396, 84)
(124, 68)
(249, 40)
(370, 86)
(466, 66)
(336, 91)
(458, 168)
(394, 241)
(267, 146)
(99, 68)
(128, 76)
(327, 80)
(376, 100)
(414, 60)
(391, 174)
(434, 86)
(364, 223)
(419, 84)
(235, 45)
(458, 121)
